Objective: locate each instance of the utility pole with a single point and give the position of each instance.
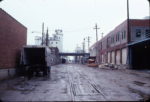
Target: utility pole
(96, 28)
(47, 38)
(42, 34)
(128, 20)
(88, 42)
(149, 10)
(84, 45)
(128, 35)
(102, 34)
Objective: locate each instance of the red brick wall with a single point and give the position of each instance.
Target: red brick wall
(144, 22)
(13, 35)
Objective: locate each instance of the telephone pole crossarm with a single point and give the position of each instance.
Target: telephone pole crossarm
(96, 28)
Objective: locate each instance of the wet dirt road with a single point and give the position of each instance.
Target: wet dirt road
(72, 82)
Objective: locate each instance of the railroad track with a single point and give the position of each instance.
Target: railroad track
(81, 85)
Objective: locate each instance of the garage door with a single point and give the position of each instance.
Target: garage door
(118, 57)
(113, 57)
(109, 57)
(124, 56)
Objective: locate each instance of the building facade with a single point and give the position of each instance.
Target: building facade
(13, 36)
(121, 47)
(55, 55)
(55, 41)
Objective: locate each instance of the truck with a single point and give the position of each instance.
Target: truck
(36, 61)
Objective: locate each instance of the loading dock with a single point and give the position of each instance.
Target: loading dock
(140, 54)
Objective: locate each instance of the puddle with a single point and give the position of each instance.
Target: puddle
(138, 83)
(144, 97)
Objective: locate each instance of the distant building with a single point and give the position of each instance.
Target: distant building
(78, 50)
(78, 59)
(125, 49)
(38, 40)
(13, 36)
(56, 57)
(55, 41)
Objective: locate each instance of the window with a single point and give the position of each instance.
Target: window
(124, 34)
(118, 36)
(147, 33)
(56, 42)
(108, 41)
(113, 39)
(51, 42)
(138, 32)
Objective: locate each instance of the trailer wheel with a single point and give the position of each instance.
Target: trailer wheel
(29, 73)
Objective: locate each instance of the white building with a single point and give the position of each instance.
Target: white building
(78, 50)
(38, 40)
(55, 41)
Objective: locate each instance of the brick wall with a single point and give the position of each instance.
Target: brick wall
(13, 36)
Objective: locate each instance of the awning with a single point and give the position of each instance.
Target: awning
(138, 42)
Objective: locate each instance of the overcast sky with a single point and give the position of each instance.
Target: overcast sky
(76, 18)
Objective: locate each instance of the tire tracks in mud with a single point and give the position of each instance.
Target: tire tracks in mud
(82, 85)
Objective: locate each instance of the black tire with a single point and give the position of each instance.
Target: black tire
(30, 73)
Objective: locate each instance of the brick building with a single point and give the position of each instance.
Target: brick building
(123, 48)
(13, 35)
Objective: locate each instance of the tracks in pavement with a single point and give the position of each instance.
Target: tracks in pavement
(82, 85)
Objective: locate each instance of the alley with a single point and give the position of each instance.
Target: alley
(74, 82)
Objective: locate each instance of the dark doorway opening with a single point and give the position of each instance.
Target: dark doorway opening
(140, 56)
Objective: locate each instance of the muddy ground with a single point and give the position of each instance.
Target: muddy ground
(74, 82)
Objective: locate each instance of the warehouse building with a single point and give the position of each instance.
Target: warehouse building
(125, 49)
(13, 36)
